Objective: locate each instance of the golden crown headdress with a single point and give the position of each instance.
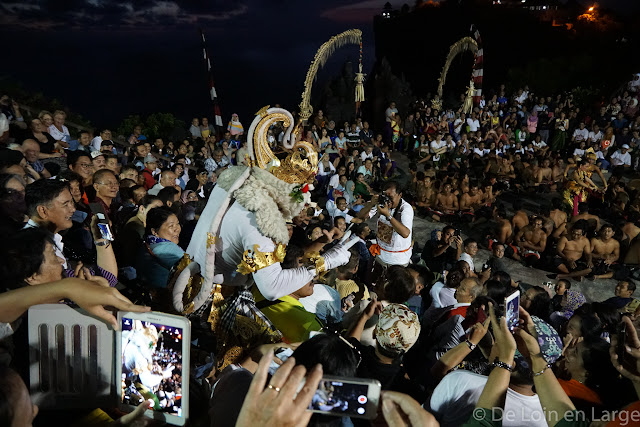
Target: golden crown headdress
(301, 163)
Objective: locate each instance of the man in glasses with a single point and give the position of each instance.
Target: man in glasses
(106, 185)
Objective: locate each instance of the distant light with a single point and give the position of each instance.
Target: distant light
(591, 9)
(544, 7)
(524, 1)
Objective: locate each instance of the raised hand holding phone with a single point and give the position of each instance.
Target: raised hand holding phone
(279, 403)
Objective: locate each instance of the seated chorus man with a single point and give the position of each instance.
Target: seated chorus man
(573, 258)
(605, 251)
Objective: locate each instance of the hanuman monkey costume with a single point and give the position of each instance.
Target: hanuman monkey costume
(241, 236)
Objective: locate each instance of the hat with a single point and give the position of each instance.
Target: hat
(106, 142)
(95, 154)
(150, 158)
(398, 328)
(626, 146)
(549, 341)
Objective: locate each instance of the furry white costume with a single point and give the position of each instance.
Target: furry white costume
(241, 236)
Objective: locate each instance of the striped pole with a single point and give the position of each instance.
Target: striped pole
(217, 116)
(478, 66)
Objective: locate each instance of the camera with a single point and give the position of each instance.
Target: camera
(383, 199)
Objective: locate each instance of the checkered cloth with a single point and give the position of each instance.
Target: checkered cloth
(242, 303)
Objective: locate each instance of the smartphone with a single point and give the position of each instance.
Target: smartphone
(283, 353)
(152, 363)
(103, 221)
(351, 397)
(105, 231)
(511, 310)
(349, 298)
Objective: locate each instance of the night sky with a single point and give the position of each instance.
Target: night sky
(106, 59)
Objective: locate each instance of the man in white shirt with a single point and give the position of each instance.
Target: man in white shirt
(50, 205)
(580, 134)
(457, 125)
(395, 226)
(167, 179)
(595, 135)
(334, 181)
(539, 144)
(453, 400)
(340, 208)
(621, 157)
(480, 150)
(473, 123)
(391, 111)
(97, 141)
(438, 146)
(367, 154)
(522, 96)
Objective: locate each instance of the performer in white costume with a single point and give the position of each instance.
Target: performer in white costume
(241, 236)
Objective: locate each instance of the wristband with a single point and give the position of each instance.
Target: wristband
(537, 374)
(471, 345)
(499, 364)
(103, 243)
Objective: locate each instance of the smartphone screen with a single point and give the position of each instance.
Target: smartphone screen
(349, 398)
(511, 310)
(152, 365)
(105, 231)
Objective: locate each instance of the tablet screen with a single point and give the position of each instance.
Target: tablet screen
(152, 365)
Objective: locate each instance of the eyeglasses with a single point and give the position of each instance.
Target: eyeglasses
(85, 165)
(109, 184)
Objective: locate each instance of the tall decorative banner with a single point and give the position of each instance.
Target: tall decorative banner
(359, 83)
(478, 66)
(465, 44)
(217, 116)
(322, 55)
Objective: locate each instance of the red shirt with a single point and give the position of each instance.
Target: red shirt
(462, 311)
(149, 180)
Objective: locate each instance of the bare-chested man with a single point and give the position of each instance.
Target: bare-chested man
(503, 234)
(605, 250)
(470, 201)
(424, 191)
(559, 218)
(548, 225)
(545, 175)
(583, 213)
(571, 252)
(532, 241)
(505, 169)
(520, 219)
(446, 202)
(558, 169)
(630, 228)
(489, 196)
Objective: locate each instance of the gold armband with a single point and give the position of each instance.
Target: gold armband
(254, 260)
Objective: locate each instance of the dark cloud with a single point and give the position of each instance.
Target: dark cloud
(131, 14)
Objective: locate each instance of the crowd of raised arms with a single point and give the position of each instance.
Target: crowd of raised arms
(533, 178)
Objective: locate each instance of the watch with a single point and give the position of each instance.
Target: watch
(103, 243)
(471, 345)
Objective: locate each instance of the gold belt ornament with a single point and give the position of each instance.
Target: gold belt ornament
(254, 260)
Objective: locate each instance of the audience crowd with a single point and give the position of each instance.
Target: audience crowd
(538, 179)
